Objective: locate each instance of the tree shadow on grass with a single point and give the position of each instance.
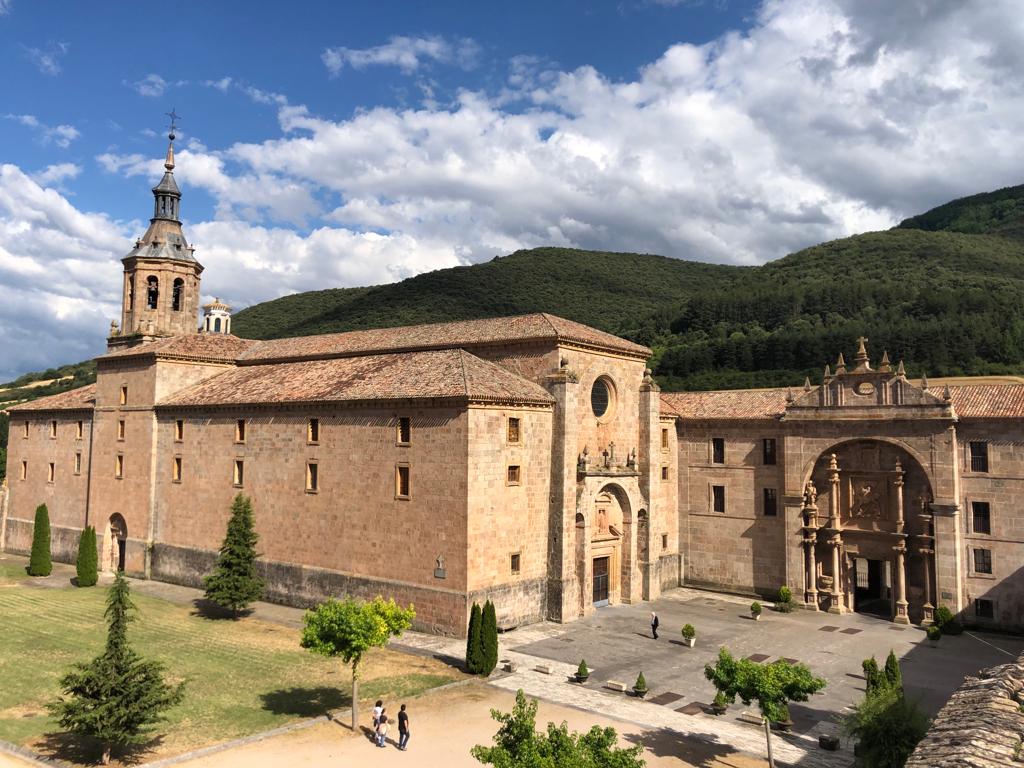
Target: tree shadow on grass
(72, 748)
(207, 609)
(305, 702)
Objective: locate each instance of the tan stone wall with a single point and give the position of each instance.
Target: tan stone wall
(165, 321)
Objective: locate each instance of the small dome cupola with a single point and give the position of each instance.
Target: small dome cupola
(216, 317)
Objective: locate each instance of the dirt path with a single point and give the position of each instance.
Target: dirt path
(445, 725)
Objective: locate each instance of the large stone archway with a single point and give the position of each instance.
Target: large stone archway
(868, 532)
(115, 540)
(606, 546)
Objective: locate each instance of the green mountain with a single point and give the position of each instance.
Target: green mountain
(941, 291)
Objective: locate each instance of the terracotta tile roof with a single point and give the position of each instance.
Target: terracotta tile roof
(987, 401)
(726, 404)
(80, 399)
(195, 346)
(451, 373)
(466, 333)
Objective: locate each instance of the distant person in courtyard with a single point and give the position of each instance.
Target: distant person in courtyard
(382, 729)
(403, 728)
(378, 708)
(654, 624)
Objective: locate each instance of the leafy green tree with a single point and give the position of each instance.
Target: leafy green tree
(118, 697)
(518, 744)
(234, 584)
(39, 563)
(893, 675)
(887, 727)
(349, 628)
(87, 563)
(872, 675)
(474, 642)
(489, 637)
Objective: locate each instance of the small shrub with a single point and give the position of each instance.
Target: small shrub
(689, 633)
(785, 595)
(874, 678)
(893, 674)
(640, 684)
(755, 608)
(934, 633)
(786, 607)
(942, 616)
(720, 701)
(581, 670)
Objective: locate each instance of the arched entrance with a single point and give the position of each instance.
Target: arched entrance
(114, 542)
(868, 532)
(604, 548)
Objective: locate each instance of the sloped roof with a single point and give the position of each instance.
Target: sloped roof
(195, 346)
(465, 333)
(450, 373)
(988, 401)
(80, 399)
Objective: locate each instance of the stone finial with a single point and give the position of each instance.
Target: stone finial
(828, 373)
(840, 365)
(807, 384)
(115, 330)
(900, 370)
(885, 366)
(924, 382)
(947, 395)
(789, 394)
(861, 358)
(833, 463)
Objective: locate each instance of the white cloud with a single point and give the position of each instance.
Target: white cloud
(46, 60)
(406, 53)
(5, 7)
(256, 95)
(61, 135)
(221, 85)
(152, 85)
(55, 175)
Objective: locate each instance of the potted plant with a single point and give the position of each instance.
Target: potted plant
(785, 722)
(582, 673)
(689, 634)
(755, 611)
(640, 686)
(719, 704)
(934, 635)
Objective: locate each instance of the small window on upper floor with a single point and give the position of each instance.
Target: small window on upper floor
(718, 450)
(404, 435)
(51, 471)
(313, 431)
(238, 477)
(718, 498)
(240, 431)
(24, 433)
(513, 429)
(402, 481)
(119, 466)
(312, 477)
(768, 451)
(664, 439)
(78, 463)
(515, 563)
(983, 561)
(979, 456)
(179, 430)
(771, 502)
(24, 470)
(53, 429)
(664, 541)
(981, 517)
(124, 395)
(79, 430)
(120, 429)
(513, 474)
(664, 473)
(176, 470)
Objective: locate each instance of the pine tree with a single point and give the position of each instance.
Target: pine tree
(474, 642)
(872, 676)
(39, 563)
(893, 674)
(489, 639)
(87, 563)
(234, 584)
(118, 697)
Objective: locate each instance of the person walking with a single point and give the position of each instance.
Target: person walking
(403, 728)
(378, 708)
(654, 624)
(382, 729)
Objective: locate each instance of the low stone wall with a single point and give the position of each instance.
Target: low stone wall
(438, 611)
(669, 571)
(63, 541)
(516, 604)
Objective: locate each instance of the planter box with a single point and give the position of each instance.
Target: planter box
(690, 642)
(640, 694)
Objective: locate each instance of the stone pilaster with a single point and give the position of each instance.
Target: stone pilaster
(563, 582)
(649, 466)
(900, 615)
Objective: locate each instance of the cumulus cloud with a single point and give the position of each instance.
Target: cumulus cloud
(152, 86)
(5, 7)
(61, 135)
(55, 175)
(406, 53)
(47, 60)
(254, 94)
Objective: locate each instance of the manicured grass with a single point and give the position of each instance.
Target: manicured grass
(242, 676)
(12, 571)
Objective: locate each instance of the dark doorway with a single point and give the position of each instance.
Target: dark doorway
(120, 554)
(600, 581)
(873, 593)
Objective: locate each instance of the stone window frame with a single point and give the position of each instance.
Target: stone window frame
(664, 542)
(664, 440)
(992, 609)
(664, 471)
(119, 466)
(313, 476)
(764, 501)
(25, 430)
(240, 430)
(713, 448)
(990, 573)
(712, 501)
(176, 469)
(313, 431)
(403, 480)
(123, 398)
(80, 430)
(773, 453)
(515, 563)
(51, 473)
(53, 429)
(78, 463)
(121, 430)
(24, 469)
(238, 473)
(514, 474)
(985, 459)
(971, 501)
(179, 430)
(613, 398)
(514, 434)
(403, 431)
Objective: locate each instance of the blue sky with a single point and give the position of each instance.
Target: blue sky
(338, 144)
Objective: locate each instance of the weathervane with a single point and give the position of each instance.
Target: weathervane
(174, 118)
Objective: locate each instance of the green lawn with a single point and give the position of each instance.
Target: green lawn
(242, 677)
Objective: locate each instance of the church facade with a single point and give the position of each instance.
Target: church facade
(528, 460)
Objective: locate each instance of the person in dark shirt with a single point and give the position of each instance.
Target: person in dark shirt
(403, 728)
(654, 624)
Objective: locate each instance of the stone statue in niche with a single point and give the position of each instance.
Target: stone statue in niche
(602, 520)
(631, 460)
(866, 500)
(439, 569)
(810, 495)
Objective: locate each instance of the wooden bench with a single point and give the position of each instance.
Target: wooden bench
(544, 669)
(615, 685)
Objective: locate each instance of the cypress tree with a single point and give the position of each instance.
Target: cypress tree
(87, 563)
(117, 697)
(872, 675)
(234, 583)
(489, 638)
(474, 642)
(39, 563)
(893, 674)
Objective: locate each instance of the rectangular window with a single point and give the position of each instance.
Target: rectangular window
(239, 474)
(124, 395)
(664, 541)
(120, 429)
(718, 498)
(979, 456)
(24, 433)
(664, 439)
(79, 430)
(981, 515)
(176, 469)
(984, 609)
(240, 431)
(402, 482)
(24, 470)
(664, 473)
(78, 463)
(514, 563)
(513, 474)
(313, 431)
(983, 561)
(718, 450)
(312, 477)
(53, 429)
(179, 430)
(771, 502)
(513, 429)
(404, 430)
(51, 470)
(768, 451)
(119, 466)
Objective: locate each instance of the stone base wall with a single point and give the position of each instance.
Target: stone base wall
(670, 571)
(63, 541)
(438, 611)
(731, 589)
(516, 604)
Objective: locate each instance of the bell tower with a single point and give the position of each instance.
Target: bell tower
(161, 275)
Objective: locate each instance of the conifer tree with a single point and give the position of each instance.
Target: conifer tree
(87, 563)
(893, 674)
(489, 638)
(474, 642)
(118, 697)
(39, 563)
(234, 583)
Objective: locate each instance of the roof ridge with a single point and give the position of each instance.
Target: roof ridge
(462, 364)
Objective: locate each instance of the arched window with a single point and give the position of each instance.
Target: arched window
(152, 292)
(216, 325)
(178, 295)
(131, 293)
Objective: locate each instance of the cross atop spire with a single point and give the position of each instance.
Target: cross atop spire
(861, 357)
